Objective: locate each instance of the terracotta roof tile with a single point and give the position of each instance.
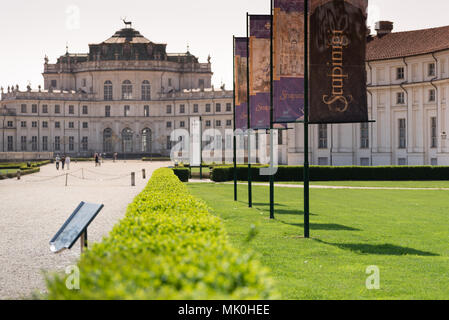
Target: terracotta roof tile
(409, 43)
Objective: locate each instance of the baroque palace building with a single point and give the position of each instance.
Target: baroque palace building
(408, 90)
(128, 94)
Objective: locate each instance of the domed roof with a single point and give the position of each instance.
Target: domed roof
(129, 35)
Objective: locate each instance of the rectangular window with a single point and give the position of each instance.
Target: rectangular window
(146, 111)
(402, 161)
(208, 107)
(85, 125)
(85, 110)
(432, 95)
(218, 123)
(23, 124)
(23, 108)
(168, 109)
(168, 143)
(228, 107)
(23, 143)
(280, 137)
(208, 123)
(45, 108)
(433, 126)
(34, 124)
(195, 108)
(84, 83)
(323, 161)
(71, 143)
(201, 83)
(434, 161)
(364, 162)
(34, 143)
(364, 135)
(45, 143)
(71, 125)
(431, 70)
(85, 144)
(107, 111)
(71, 109)
(322, 136)
(57, 143)
(54, 84)
(400, 73)
(10, 124)
(126, 111)
(182, 124)
(57, 109)
(10, 143)
(34, 108)
(45, 124)
(57, 124)
(182, 109)
(168, 124)
(229, 123)
(400, 98)
(402, 134)
(218, 107)
(169, 82)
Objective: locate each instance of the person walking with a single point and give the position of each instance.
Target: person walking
(57, 159)
(97, 159)
(67, 162)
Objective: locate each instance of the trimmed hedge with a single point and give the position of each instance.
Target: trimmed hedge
(23, 165)
(182, 173)
(168, 247)
(323, 173)
(22, 173)
(164, 159)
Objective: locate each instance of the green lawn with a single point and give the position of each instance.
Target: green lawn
(404, 233)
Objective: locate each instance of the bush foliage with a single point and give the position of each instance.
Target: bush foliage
(168, 246)
(327, 173)
(182, 173)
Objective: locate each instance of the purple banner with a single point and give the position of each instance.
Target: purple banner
(259, 71)
(337, 61)
(241, 83)
(288, 60)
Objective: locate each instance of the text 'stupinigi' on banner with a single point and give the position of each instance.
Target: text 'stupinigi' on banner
(338, 34)
(241, 83)
(259, 70)
(288, 60)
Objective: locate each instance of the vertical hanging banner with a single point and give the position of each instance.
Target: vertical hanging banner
(241, 84)
(337, 61)
(259, 70)
(288, 60)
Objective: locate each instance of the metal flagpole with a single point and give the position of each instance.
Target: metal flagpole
(250, 191)
(306, 122)
(271, 118)
(234, 137)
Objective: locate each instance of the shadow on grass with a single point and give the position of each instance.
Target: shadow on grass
(324, 226)
(380, 249)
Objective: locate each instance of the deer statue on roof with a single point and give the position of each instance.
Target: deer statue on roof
(127, 23)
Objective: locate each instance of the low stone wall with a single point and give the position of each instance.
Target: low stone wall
(25, 156)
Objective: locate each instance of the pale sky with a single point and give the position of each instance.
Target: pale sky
(32, 29)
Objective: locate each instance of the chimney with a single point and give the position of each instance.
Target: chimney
(383, 28)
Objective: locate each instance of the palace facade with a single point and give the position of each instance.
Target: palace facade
(128, 94)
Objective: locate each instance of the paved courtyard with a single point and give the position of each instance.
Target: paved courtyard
(33, 209)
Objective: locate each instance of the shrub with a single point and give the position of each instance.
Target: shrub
(161, 159)
(327, 173)
(182, 173)
(168, 246)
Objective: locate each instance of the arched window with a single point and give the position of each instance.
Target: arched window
(127, 90)
(127, 139)
(146, 91)
(146, 140)
(108, 91)
(107, 140)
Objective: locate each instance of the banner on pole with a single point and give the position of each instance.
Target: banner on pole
(288, 60)
(195, 142)
(337, 61)
(241, 84)
(259, 70)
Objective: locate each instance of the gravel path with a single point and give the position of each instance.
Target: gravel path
(33, 209)
(295, 186)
